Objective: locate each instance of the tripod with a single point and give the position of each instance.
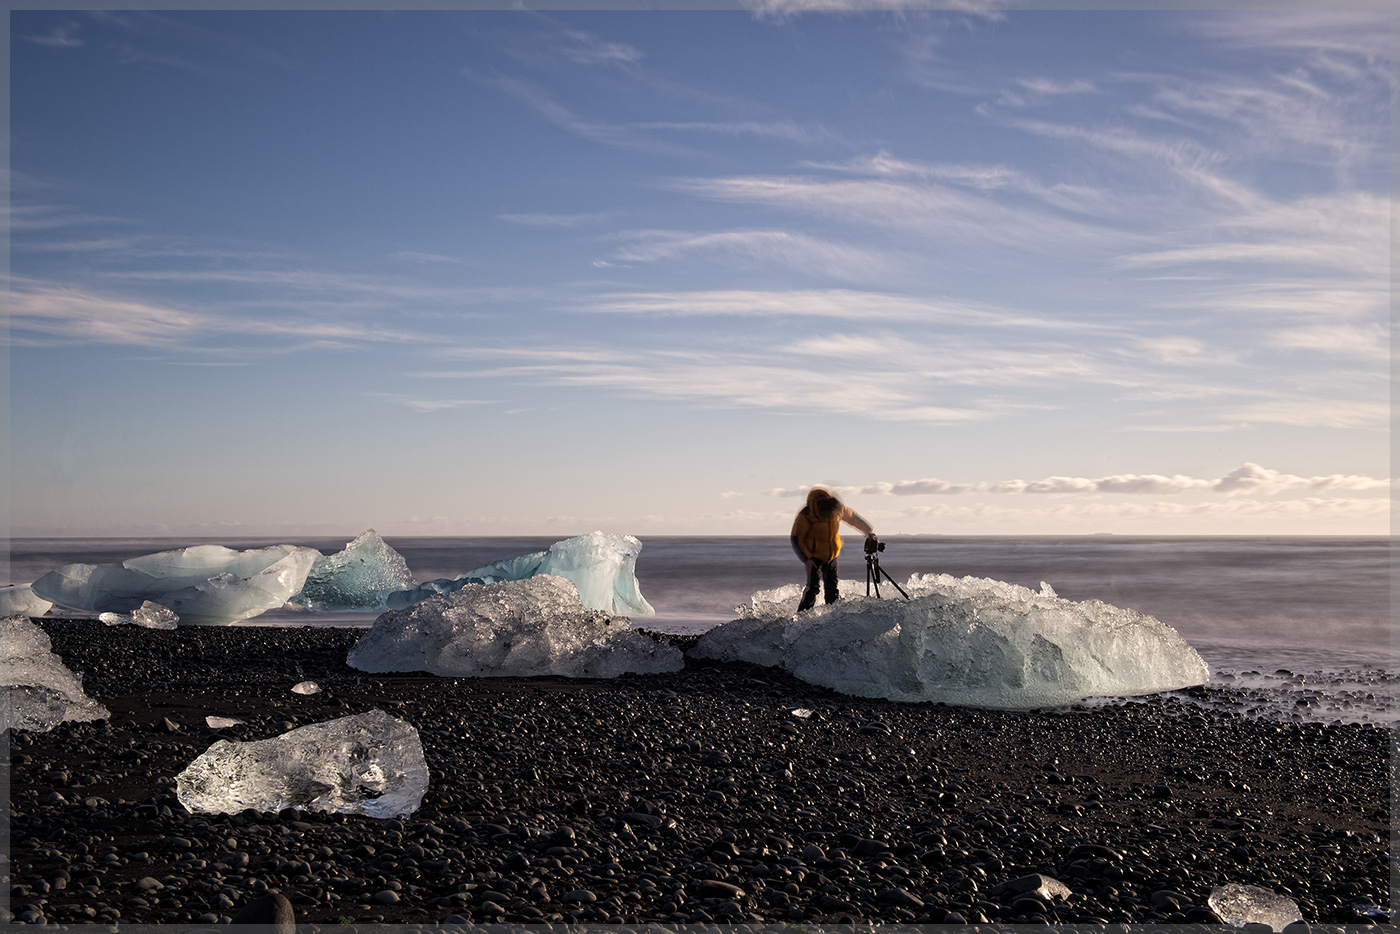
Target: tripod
(873, 569)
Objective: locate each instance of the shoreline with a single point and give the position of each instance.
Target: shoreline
(686, 797)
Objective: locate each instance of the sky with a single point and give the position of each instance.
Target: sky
(989, 271)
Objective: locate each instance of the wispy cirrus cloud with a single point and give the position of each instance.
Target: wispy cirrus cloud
(850, 304)
(1247, 479)
(797, 251)
(43, 311)
(714, 379)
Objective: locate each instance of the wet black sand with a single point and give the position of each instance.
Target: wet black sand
(688, 797)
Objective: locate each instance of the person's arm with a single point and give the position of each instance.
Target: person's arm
(853, 518)
(797, 527)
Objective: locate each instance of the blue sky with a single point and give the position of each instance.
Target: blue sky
(470, 272)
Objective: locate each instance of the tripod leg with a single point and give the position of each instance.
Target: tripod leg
(892, 581)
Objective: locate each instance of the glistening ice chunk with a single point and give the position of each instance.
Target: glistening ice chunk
(203, 584)
(510, 629)
(1238, 905)
(148, 615)
(40, 690)
(973, 642)
(369, 764)
(602, 565)
(358, 577)
(22, 601)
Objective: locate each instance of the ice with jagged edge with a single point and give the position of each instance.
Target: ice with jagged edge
(148, 616)
(20, 600)
(971, 642)
(536, 626)
(40, 690)
(1238, 905)
(602, 565)
(207, 585)
(370, 764)
(359, 577)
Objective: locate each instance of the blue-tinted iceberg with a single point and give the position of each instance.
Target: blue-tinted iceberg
(204, 584)
(360, 577)
(602, 565)
(971, 642)
(520, 628)
(40, 690)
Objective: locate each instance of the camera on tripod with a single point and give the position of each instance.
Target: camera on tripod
(873, 571)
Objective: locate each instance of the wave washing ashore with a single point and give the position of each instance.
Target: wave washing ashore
(723, 791)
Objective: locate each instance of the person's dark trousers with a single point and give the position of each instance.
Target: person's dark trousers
(820, 574)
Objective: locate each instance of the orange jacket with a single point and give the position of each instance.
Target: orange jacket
(817, 538)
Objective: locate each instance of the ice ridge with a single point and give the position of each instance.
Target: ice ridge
(970, 642)
(536, 626)
(602, 566)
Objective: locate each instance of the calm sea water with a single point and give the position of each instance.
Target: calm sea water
(1301, 626)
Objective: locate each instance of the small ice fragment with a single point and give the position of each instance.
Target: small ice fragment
(21, 600)
(370, 764)
(1238, 905)
(148, 616)
(220, 723)
(521, 628)
(1046, 590)
(40, 690)
(306, 687)
(802, 713)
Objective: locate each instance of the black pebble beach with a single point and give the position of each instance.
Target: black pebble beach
(691, 797)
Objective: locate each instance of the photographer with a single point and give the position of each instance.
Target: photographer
(816, 541)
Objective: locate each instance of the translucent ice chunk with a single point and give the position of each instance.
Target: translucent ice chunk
(148, 615)
(40, 690)
(360, 576)
(22, 601)
(536, 626)
(306, 687)
(1238, 905)
(602, 565)
(220, 723)
(369, 764)
(203, 584)
(973, 642)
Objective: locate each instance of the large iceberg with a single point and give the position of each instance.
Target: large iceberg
(602, 565)
(203, 584)
(359, 577)
(970, 642)
(520, 628)
(370, 764)
(40, 690)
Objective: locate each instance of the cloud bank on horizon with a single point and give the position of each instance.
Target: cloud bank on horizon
(522, 272)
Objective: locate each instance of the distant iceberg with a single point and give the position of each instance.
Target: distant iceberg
(521, 628)
(40, 691)
(970, 642)
(602, 565)
(204, 584)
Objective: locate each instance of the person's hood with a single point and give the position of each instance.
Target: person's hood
(816, 493)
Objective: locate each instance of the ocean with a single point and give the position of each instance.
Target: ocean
(1292, 628)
